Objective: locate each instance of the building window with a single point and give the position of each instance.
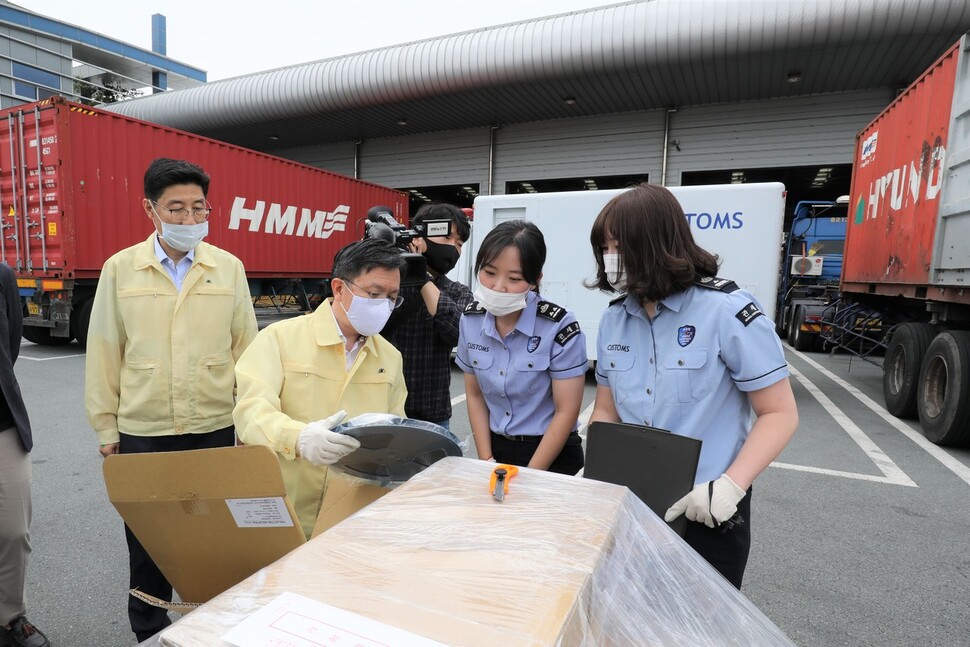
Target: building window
(34, 83)
(586, 183)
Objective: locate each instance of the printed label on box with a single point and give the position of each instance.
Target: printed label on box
(268, 512)
(296, 621)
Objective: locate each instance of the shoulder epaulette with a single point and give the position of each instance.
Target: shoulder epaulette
(618, 299)
(716, 283)
(474, 308)
(551, 311)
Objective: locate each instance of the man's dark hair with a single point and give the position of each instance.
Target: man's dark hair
(522, 235)
(164, 172)
(365, 255)
(442, 211)
(656, 247)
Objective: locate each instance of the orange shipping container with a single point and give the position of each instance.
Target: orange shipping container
(900, 239)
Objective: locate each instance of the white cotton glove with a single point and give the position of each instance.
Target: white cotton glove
(708, 506)
(321, 446)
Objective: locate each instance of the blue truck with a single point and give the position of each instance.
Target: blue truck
(810, 270)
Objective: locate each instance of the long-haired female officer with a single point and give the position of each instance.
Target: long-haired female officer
(524, 358)
(684, 351)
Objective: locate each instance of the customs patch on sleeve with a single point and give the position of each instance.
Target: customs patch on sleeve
(748, 313)
(474, 308)
(567, 333)
(550, 311)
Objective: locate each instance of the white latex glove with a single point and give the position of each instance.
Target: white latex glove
(707, 506)
(321, 446)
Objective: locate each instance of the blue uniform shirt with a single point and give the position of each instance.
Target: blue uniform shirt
(515, 374)
(687, 371)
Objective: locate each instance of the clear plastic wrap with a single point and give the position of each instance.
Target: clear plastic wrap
(561, 561)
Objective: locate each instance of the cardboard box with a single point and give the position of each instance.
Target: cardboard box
(209, 518)
(344, 495)
(561, 561)
(180, 507)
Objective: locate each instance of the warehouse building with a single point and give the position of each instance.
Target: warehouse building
(677, 92)
(41, 57)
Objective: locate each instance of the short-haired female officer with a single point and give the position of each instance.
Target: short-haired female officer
(684, 351)
(524, 358)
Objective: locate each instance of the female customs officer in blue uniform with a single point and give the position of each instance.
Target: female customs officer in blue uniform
(524, 358)
(684, 351)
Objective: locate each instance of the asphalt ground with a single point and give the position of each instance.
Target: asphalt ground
(860, 531)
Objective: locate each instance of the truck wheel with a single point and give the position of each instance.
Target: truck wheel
(900, 370)
(80, 318)
(799, 339)
(944, 389)
(790, 328)
(43, 336)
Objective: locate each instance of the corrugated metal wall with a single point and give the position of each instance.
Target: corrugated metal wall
(781, 132)
(611, 145)
(778, 132)
(338, 157)
(452, 157)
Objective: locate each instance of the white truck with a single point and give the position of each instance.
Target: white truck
(741, 223)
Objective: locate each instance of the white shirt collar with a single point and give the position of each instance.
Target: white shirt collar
(163, 256)
(354, 350)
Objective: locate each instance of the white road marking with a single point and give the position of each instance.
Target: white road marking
(891, 472)
(584, 418)
(959, 469)
(47, 359)
(458, 399)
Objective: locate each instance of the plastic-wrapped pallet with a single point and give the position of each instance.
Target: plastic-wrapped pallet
(561, 561)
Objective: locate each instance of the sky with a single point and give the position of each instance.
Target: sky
(234, 37)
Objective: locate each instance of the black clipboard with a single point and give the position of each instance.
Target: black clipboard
(658, 466)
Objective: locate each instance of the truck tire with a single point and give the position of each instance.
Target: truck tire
(790, 327)
(43, 336)
(901, 368)
(80, 319)
(943, 400)
(799, 339)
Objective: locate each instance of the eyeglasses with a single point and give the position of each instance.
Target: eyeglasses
(396, 301)
(199, 214)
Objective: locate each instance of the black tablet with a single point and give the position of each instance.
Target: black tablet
(658, 466)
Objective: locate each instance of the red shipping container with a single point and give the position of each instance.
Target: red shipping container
(897, 181)
(83, 169)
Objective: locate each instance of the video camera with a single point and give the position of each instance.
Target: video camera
(381, 225)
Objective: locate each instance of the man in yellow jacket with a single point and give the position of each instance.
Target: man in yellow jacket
(300, 377)
(170, 318)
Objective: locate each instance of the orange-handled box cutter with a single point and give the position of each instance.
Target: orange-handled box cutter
(498, 483)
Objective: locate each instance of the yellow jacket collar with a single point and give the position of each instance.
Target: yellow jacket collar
(326, 331)
(145, 254)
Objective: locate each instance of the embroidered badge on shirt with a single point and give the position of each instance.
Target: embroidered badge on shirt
(533, 343)
(748, 313)
(685, 335)
(567, 333)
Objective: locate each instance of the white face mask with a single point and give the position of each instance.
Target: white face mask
(500, 303)
(184, 238)
(615, 273)
(368, 316)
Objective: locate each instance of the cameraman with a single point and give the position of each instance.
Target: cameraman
(425, 327)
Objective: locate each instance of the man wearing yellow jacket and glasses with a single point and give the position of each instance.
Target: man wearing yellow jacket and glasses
(301, 377)
(170, 318)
